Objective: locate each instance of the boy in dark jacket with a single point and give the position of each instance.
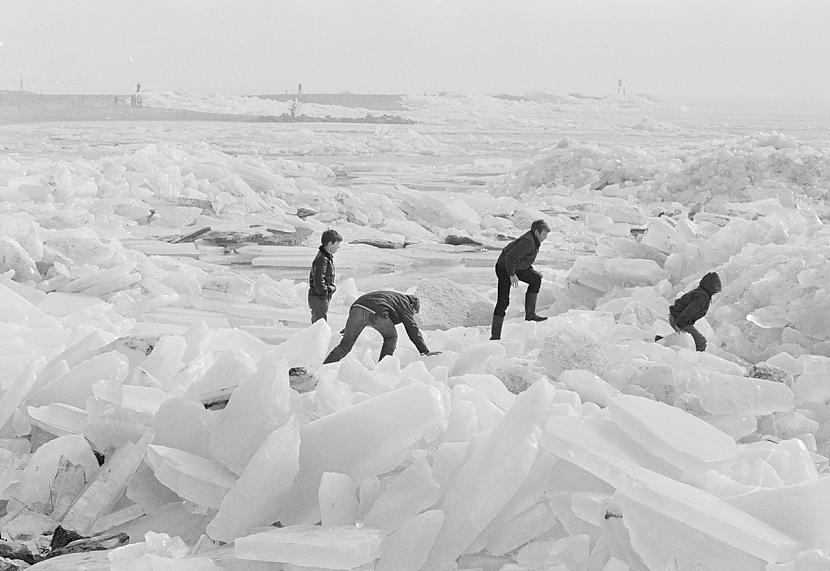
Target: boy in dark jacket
(321, 278)
(381, 310)
(693, 305)
(515, 264)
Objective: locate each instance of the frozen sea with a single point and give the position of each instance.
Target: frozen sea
(119, 323)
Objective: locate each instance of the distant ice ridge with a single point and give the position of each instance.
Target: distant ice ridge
(537, 109)
(244, 105)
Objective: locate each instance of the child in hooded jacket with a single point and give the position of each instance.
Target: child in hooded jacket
(693, 305)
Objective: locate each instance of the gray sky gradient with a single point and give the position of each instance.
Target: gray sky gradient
(774, 51)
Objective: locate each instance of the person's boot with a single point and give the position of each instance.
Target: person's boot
(530, 308)
(495, 329)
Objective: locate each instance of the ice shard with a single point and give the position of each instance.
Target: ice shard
(483, 487)
(259, 494)
(366, 439)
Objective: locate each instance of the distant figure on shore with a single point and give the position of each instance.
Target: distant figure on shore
(138, 87)
(135, 100)
(299, 89)
(115, 101)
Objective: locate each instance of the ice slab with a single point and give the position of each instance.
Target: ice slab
(489, 485)
(39, 473)
(407, 548)
(182, 424)
(590, 387)
(798, 510)
(366, 439)
(721, 393)
(260, 405)
(338, 500)
(257, 497)
(343, 547)
(17, 309)
(306, 348)
(670, 433)
(687, 504)
(14, 395)
(663, 542)
(75, 385)
(523, 528)
(406, 495)
(192, 477)
(106, 487)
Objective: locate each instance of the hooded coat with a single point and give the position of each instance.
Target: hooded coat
(694, 304)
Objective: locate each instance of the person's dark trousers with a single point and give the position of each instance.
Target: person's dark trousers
(495, 328)
(360, 318)
(319, 305)
(700, 340)
(531, 277)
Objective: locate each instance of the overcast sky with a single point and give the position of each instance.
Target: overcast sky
(686, 50)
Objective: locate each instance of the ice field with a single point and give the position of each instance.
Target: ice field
(152, 269)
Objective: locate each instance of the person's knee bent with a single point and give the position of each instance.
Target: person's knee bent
(390, 343)
(535, 283)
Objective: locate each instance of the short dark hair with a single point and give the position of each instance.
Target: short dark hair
(416, 303)
(539, 225)
(330, 236)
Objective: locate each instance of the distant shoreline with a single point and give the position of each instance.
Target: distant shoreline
(21, 107)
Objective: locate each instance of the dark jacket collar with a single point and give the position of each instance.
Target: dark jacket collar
(535, 239)
(325, 252)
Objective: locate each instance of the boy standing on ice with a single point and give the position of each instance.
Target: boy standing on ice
(515, 263)
(321, 278)
(381, 310)
(693, 305)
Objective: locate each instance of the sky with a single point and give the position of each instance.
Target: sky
(775, 51)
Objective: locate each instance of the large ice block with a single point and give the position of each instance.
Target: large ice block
(17, 309)
(366, 439)
(259, 406)
(590, 387)
(670, 433)
(342, 547)
(406, 495)
(338, 500)
(521, 529)
(305, 348)
(106, 488)
(75, 385)
(664, 542)
(192, 477)
(583, 445)
(721, 393)
(493, 474)
(407, 548)
(37, 477)
(799, 510)
(260, 492)
(11, 398)
(182, 424)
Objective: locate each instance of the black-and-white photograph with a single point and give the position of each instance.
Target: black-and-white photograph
(402, 285)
